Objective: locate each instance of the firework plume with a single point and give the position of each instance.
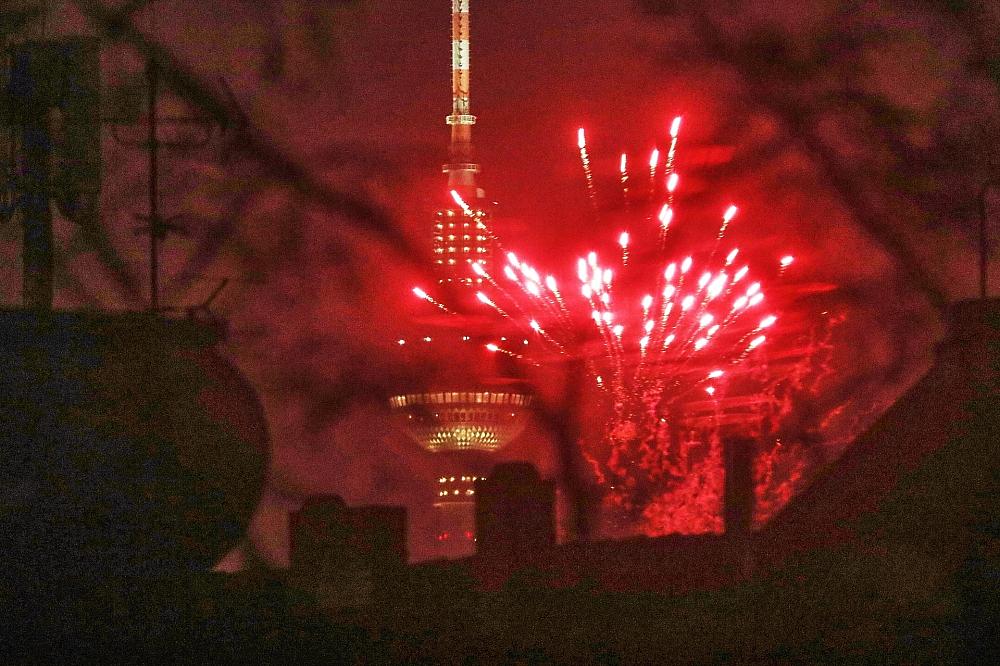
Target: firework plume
(656, 336)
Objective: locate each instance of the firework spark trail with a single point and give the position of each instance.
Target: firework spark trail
(664, 217)
(727, 217)
(420, 293)
(547, 306)
(477, 269)
(738, 350)
(734, 312)
(478, 217)
(497, 349)
(596, 315)
(623, 171)
(581, 142)
(485, 300)
(461, 203)
(591, 285)
(667, 336)
(658, 335)
(675, 127)
(508, 297)
(532, 288)
(825, 343)
(553, 307)
(564, 316)
(670, 183)
(529, 284)
(537, 288)
(599, 282)
(535, 326)
(654, 161)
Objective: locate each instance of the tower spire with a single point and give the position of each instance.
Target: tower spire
(461, 169)
(461, 236)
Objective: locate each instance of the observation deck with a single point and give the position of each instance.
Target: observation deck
(462, 420)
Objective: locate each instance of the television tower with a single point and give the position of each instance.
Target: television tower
(461, 233)
(471, 407)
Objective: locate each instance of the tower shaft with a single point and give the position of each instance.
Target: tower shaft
(461, 169)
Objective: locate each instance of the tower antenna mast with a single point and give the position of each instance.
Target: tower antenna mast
(461, 169)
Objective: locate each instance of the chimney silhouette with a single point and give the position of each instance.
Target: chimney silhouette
(737, 495)
(515, 512)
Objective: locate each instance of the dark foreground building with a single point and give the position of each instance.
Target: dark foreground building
(132, 455)
(109, 526)
(347, 556)
(515, 513)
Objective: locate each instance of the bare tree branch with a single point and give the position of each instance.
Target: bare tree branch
(252, 140)
(762, 69)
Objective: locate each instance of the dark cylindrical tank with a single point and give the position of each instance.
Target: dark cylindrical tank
(129, 446)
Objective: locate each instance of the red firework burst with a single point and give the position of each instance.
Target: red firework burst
(656, 335)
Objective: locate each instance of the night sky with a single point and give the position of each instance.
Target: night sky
(857, 139)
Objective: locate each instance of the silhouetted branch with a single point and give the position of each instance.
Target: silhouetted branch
(252, 140)
(764, 88)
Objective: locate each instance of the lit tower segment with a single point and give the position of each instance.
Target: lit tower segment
(461, 234)
(461, 171)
